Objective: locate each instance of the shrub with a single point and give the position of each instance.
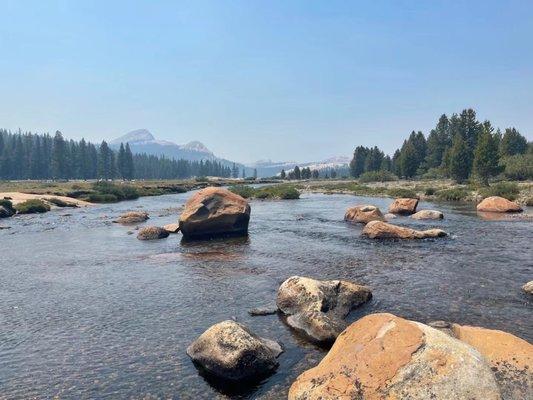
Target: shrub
(402, 192)
(508, 190)
(430, 191)
(284, 192)
(78, 193)
(7, 205)
(32, 206)
(121, 192)
(201, 179)
(243, 191)
(60, 203)
(377, 176)
(101, 198)
(529, 202)
(454, 194)
(434, 173)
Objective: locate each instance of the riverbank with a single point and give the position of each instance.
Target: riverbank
(433, 190)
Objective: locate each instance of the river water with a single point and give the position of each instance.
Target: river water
(89, 311)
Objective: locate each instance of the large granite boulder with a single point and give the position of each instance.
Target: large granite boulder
(230, 351)
(152, 233)
(132, 217)
(403, 206)
(317, 308)
(510, 358)
(213, 212)
(363, 214)
(428, 214)
(382, 356)
(172, 228)
(384, 230)
(498, 204)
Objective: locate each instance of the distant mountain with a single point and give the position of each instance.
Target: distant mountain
(267, 168)
(142, 141)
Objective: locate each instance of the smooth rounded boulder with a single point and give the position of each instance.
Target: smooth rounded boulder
(384, 230)
(382, 356)
(152, 233)
(403, 206)
(214, 212)
(172, 228)
(363, 214)
(528, 287)
(230, 351)
(317, 308)
(428, 214)
(132, 217)
(499, 205)
(510, 357)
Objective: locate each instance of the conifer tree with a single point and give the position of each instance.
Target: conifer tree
(512, 143)
(486, 156)
(459, 159)
(282, 174)
(59, 157)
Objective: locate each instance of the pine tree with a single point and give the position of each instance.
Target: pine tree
(512, 143)
(129, 168)
(105, 162)
(121, 161)
(486, 156)
(282, 174)
(297, 173)
(459, 159)
(59, 157)
(357, 164)
(255, 173)
(438, 140)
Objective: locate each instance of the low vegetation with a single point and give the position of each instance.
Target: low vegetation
(377, 176)
(453, 194)
(32, 206)
(508, 190)
(283, 192)
(7, 204)
(60, 203)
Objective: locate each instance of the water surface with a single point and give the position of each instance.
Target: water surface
(88, 311)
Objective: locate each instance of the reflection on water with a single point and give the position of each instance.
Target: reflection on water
(88, 311)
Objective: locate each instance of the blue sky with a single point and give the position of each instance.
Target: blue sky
(286, 80)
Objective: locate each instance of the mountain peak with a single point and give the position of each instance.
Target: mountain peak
(138, 135)
(195, 145)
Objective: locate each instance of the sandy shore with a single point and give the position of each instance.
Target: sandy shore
(17, 197)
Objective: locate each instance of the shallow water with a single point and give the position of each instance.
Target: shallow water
(88, 311)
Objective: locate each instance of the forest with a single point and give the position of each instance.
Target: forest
(459, 147)
(34, 156)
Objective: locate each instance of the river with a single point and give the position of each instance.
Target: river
(89, 311)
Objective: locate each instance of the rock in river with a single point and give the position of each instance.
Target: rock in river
(6, 212)
(214, 211)
(510, 357)
(382, 356)
(403, 206)
(318, 307)
(384, 230)
(363, 214)
(498, 204)
(528, 287)
(229, 351)
(132, 217)
(172, 228)
(428, 214)
(152, 233)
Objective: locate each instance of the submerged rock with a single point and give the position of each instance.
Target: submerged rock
(152, 233)
(214, 211)
(403, 206)
(382, 356)
(390, 216)
(528, 287)
(318, 307)
(363, 214)
(132, 217)
(510, 357)
(428, 214)
(498, 204)
(172, 228)
(264, 310)
(230, 351)
(384, 230)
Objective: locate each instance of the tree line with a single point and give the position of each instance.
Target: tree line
(34, 156)
(459, 147)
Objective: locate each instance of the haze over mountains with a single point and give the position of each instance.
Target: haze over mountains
(143, 141)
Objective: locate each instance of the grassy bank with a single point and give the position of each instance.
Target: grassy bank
(279, 192)
(434, 190)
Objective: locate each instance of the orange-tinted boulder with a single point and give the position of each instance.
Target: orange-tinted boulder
(511, 358)
(363, 214)
(428, 214)
(152, 233)
(384, 230)
(403, 206)
(498, 204)
(382, 356)
(214, 211)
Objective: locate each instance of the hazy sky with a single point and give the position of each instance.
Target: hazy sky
(286, 80)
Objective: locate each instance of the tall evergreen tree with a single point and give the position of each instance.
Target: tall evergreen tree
(486, 156)
(129, 168)
(357, 164)
(59, 157)
(459, 159)
(512, 143)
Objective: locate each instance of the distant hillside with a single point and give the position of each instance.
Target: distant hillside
(142, 141)
(266, 168)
